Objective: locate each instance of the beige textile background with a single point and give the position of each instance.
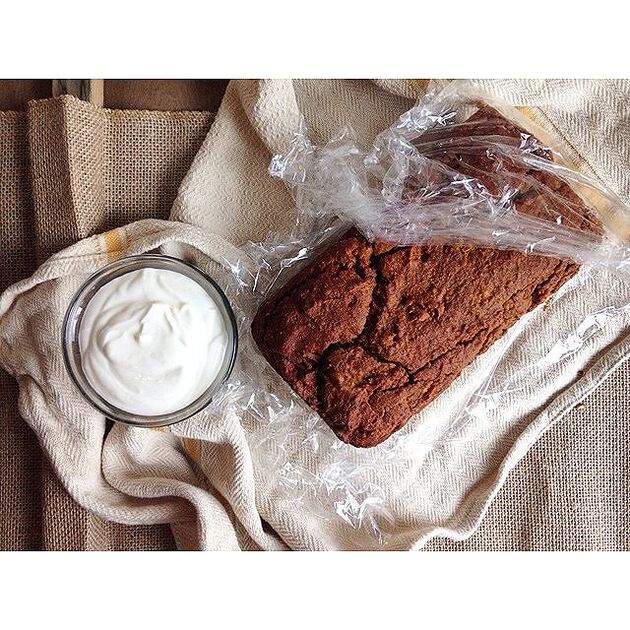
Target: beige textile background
(93, 169)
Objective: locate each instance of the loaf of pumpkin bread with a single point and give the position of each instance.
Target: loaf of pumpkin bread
(369, 333)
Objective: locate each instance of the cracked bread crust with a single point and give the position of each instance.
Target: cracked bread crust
(369, 334)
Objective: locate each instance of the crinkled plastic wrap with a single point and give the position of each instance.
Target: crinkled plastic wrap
(401, 191)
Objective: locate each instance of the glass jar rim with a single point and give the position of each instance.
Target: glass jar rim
(72, 324)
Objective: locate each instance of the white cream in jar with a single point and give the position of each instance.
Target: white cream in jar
(152, 341)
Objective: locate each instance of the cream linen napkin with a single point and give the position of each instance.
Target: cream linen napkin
(203, 476)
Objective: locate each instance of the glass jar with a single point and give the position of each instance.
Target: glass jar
(72, 327)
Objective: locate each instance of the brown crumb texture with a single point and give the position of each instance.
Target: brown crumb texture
(369, 334)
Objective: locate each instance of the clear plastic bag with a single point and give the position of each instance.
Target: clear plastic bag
(402, 190)
(372, 189)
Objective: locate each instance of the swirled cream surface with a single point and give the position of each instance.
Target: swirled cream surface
(152, 341)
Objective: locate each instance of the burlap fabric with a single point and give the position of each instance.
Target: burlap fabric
(90, 170)
(566, 493)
